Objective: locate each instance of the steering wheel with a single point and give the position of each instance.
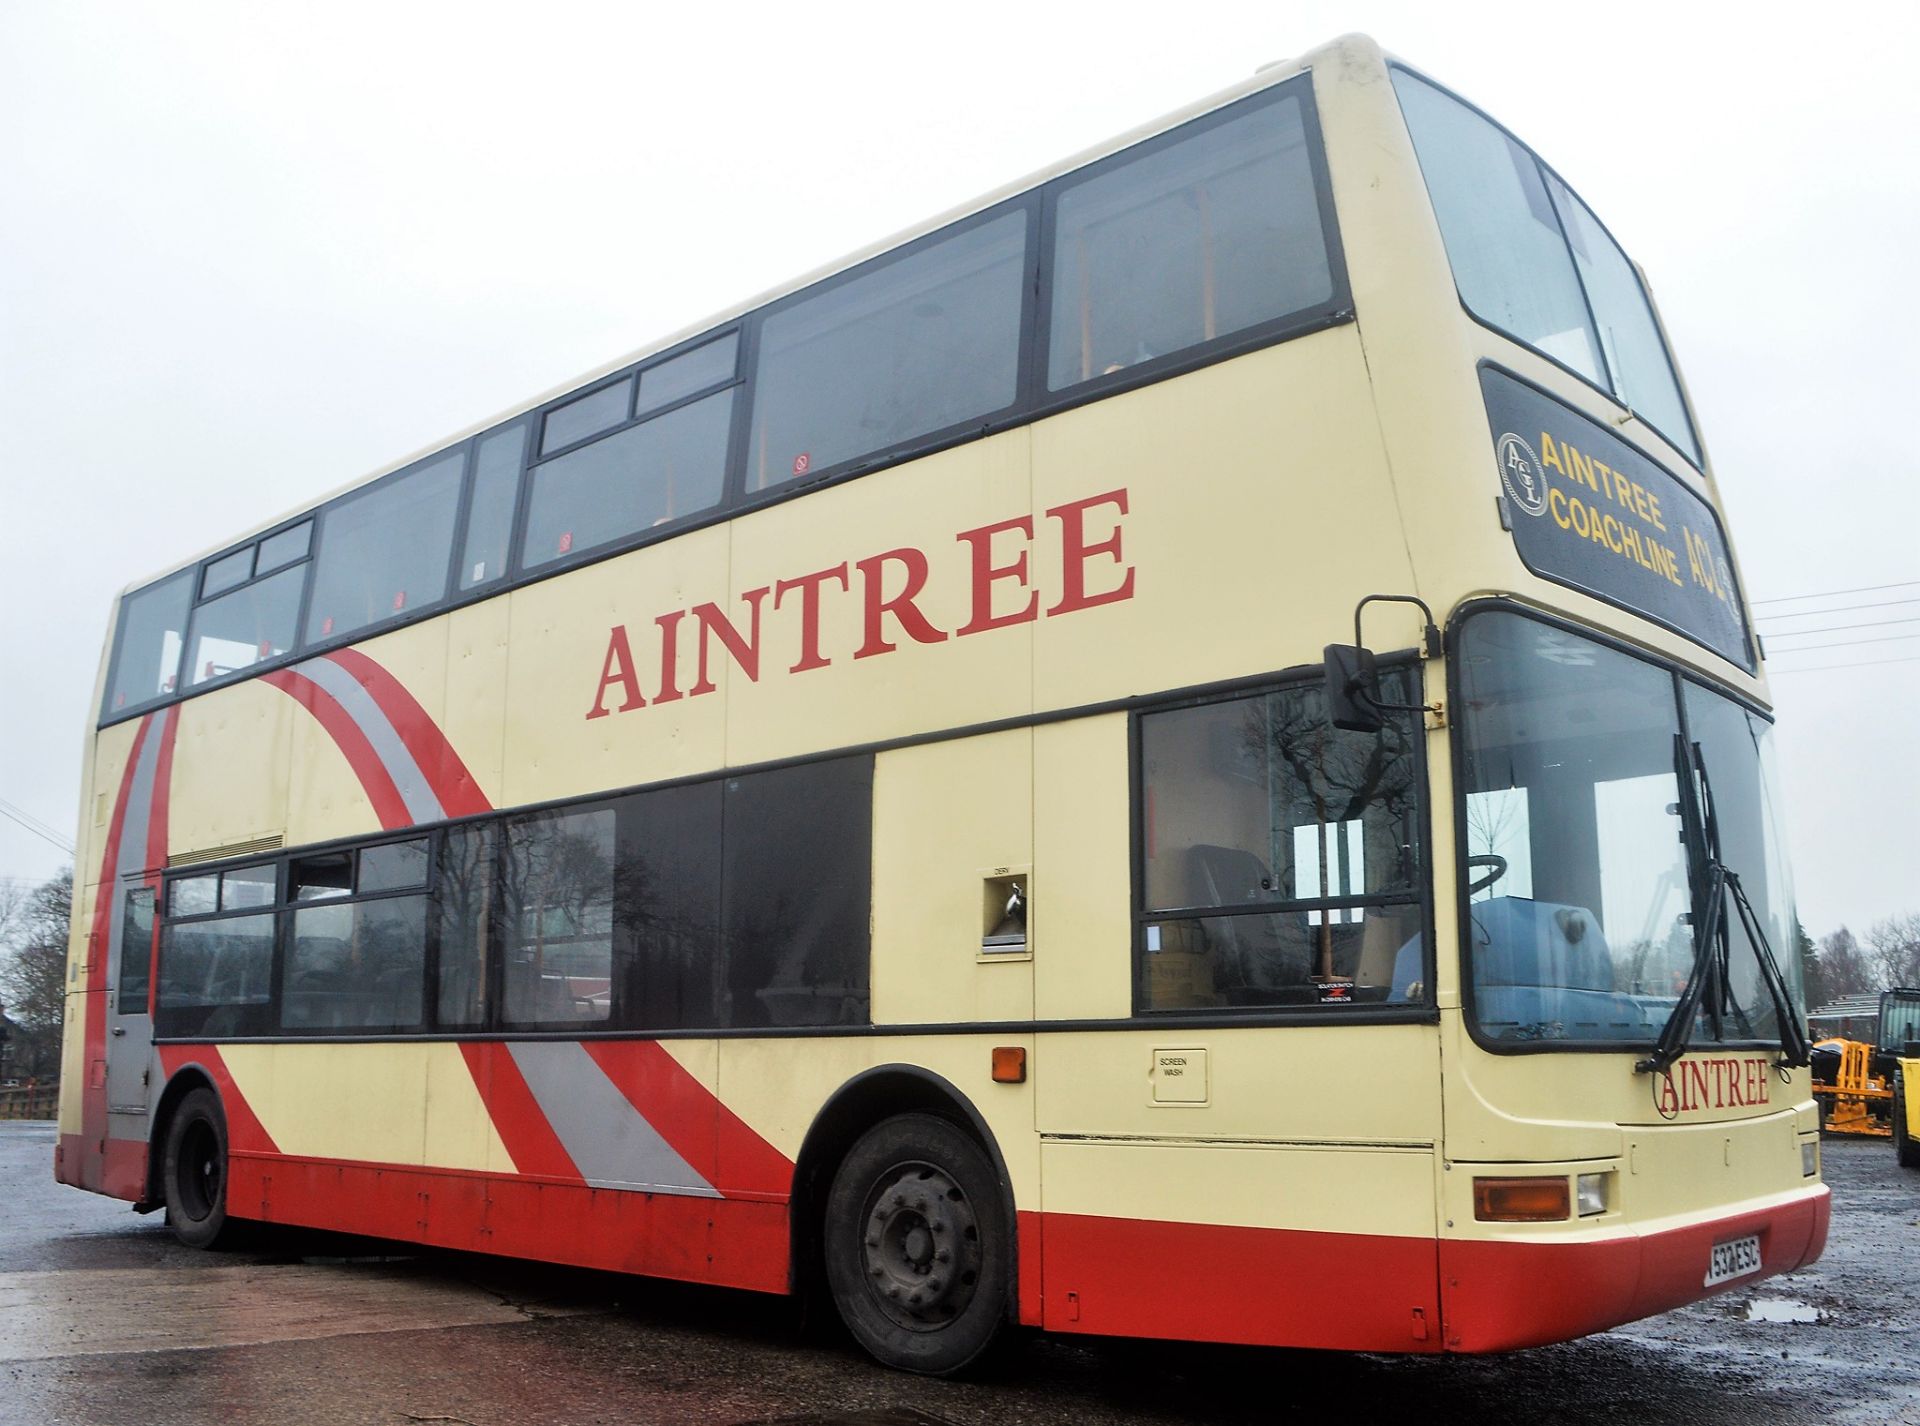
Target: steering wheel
(1498, 865)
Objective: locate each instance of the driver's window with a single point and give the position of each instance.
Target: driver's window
(1281, 856)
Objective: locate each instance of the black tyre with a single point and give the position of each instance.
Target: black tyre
(196, 1170)
(919, 1251)
(1905, 1147)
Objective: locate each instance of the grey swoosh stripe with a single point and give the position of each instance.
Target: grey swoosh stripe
(345, 689)
(609, 1141)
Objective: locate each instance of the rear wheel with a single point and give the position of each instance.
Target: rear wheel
(918, 1246)
(196, 1170)
(1904, 1144)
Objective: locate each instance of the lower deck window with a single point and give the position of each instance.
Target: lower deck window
(360, 965)
(216, 977)
(739, 901)
(1281, 857)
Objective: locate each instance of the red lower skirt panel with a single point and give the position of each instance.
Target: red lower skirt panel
(726, 1242)
(1505, 1295)
(116, 1167)
(1204, 1282)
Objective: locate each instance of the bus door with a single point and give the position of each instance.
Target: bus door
(129, 1024)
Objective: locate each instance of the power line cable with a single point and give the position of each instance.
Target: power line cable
(1827, 667)
(1849, 643)
(1835, 609)
(1836, 593)
(22, 812)
(39, 832)
(1840, 628)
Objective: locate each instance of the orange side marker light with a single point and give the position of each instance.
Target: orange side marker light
(1009, 1064)
(1521, 1200)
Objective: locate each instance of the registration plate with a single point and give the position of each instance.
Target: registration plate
(1734, 1259)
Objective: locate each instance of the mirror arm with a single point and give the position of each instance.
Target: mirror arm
(1429, 635)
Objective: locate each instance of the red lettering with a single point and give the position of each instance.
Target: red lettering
(746, 652)
(809, 587)
(1735, 1084)
(901, 606)
(1075, 552)
(617, 667)
(986, 572)
(1666, 1097)
(1694, 1085)
(669, 657)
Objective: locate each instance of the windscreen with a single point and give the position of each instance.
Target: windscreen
(1530, 259)
(1575, 760)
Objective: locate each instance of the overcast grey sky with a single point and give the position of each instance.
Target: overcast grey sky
(249, 252)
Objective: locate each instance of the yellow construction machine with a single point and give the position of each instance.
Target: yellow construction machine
(1899, 1042)
(1874, 1088)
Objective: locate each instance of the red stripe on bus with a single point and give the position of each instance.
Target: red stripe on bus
(529, 1139)
(700, 1128)
(739, 1243)
(388, 805)
(1029, 1240)
(1211, 1282)
(1503, 1295)
(446, 774)
(245, 1133)
(87, 1167)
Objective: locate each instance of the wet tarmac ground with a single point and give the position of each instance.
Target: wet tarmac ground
(105, 1321)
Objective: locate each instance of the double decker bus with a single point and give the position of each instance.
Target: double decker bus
(858, 797)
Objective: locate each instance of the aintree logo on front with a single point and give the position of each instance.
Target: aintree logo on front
(1711, 1083)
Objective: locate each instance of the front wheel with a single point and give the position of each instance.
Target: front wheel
(918, 1245)
(196, 1170)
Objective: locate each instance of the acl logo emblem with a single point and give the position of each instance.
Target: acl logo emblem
(1520, 474)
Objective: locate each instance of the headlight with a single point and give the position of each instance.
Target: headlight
(1592, 1194)
(1810, 1158)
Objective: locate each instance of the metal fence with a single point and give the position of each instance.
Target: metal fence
(31, 1100)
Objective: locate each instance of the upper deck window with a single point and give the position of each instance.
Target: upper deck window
(1187, 242)
(1531, 260)
(385, 551)
(643, 476)
(909, 347)
(496, 484)
(153, 626)
(245, 626)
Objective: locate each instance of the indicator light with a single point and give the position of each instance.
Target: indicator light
(1521, 1200)
(1009, 1064)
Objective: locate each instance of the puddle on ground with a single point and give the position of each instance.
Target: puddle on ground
(1782, 1309)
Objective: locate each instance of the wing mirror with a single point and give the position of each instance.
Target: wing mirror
(1353, 680)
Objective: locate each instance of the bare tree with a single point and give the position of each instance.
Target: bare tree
(33, 972)
(1843, 965)
(1893, 951)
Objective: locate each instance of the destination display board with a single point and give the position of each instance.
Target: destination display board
(1591, 512)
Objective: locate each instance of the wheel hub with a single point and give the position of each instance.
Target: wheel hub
(922, 1246)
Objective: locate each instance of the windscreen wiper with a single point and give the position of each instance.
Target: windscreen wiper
(1713, 883)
